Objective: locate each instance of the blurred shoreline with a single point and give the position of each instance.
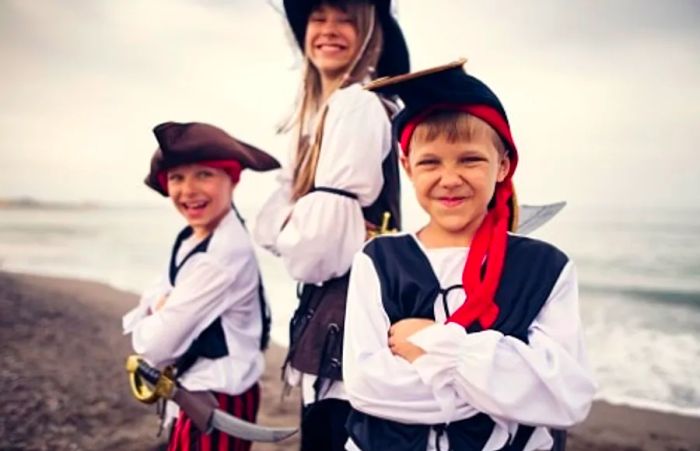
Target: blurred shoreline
(64, 386)
(30, 203)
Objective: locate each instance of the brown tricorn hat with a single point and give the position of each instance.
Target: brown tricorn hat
(194, 142)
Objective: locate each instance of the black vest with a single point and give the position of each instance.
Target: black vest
(211, 343)
(409, 289)
(316, 328)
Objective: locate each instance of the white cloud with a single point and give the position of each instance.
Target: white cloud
(88, 89)
(602, 96)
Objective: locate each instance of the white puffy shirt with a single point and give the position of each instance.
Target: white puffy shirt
(325, 230)
(221, 282)
(546, 382)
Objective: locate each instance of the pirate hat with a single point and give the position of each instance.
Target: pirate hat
(195, 142)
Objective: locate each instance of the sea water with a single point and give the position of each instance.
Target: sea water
(638, 269)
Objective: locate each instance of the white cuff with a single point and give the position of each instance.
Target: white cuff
(132, 318)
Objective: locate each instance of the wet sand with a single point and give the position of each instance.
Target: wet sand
(63, 385)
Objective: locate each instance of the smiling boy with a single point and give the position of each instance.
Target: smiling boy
(207, 316)
(461, 336)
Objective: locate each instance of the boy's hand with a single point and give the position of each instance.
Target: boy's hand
(398, 337)
(409, 326)
(161, 302)
(405, 349)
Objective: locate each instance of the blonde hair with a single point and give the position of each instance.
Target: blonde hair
(456, 126)
(310, 103)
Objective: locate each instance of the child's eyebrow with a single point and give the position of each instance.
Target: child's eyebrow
(426, 155)
(468, 151)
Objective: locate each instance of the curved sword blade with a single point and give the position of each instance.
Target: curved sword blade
(201, 407)
(533, 217)
(248, 431)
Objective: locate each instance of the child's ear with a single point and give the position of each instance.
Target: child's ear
(405, 164)
(503, 168)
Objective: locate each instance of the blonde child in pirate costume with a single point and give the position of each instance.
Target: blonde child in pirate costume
(207, 315)
(342, 179)
(463, 335)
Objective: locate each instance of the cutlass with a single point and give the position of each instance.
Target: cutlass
(200, 406)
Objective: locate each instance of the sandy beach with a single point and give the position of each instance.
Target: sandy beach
(63, 386)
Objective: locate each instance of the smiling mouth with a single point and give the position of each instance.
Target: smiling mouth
(451, 201)
(331, 48)
(194, 207)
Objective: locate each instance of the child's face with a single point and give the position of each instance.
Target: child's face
(455, 181)
(331, 40)
(201, 194)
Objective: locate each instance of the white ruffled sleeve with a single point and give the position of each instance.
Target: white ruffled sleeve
(159, 288)
(273, 214)
(547, 382)
(325, 229)
(197, 300)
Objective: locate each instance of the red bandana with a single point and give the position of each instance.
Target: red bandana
(232, 167)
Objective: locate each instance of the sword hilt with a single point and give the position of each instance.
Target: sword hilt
(383, 228)
(141, 374)
(148, 372)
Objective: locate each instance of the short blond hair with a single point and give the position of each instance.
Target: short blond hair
(455, 126)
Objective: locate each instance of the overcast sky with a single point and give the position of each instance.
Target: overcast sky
(603, 96)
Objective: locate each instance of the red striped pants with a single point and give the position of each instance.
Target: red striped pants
(186, 437)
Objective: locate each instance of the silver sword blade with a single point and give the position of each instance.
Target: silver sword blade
(532, 217)
(201, 408)
(248, 431)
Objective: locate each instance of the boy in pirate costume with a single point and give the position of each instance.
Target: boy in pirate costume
(342, 182)
(461, 336)
(207, 315)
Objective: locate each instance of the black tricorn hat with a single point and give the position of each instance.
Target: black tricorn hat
(394, 59)
(447, 85)
(192, 142)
